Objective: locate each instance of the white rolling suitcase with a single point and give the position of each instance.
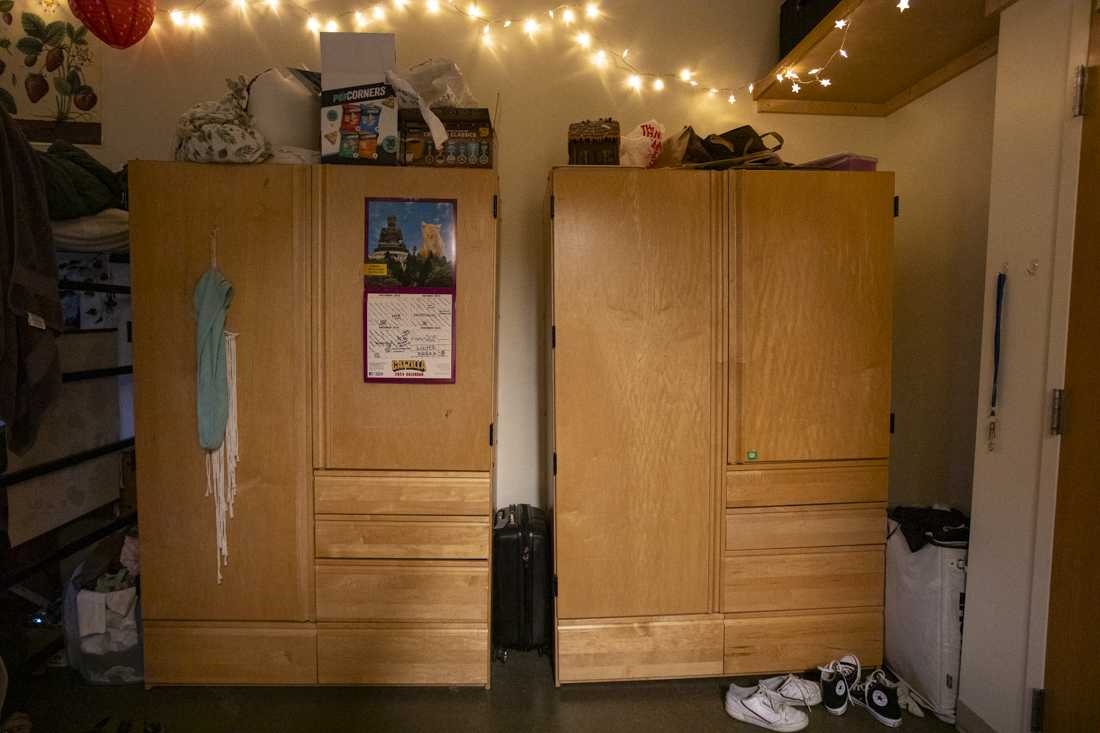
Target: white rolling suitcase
(925, 593)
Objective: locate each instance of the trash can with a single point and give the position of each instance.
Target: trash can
(103, 633)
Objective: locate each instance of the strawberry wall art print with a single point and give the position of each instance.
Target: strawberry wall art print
(49, 72)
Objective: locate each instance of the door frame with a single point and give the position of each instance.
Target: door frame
(1061, 277)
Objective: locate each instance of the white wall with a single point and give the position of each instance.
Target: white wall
(542, 87)
(941, 149)
(1034, 144)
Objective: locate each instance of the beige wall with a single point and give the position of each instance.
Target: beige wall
(542, 89)
(941, 148)
(1032, 199)
(545, 86)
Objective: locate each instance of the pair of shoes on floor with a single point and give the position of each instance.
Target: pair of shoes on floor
(771, 704)
(841, 686)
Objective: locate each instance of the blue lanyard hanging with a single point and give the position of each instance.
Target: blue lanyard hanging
(1002, 280)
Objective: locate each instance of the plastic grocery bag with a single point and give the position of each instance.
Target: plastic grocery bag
(640, 147)
(409, 97)
(439, 82)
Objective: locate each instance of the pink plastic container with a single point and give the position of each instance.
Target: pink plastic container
(843, 162)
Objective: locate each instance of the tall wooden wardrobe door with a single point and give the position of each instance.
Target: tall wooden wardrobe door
(261, 215)
(413, 427)
(634, 306)
(811, 316)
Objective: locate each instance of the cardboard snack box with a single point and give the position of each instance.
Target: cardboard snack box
(469, 139)
(358, 107)
(359, 125)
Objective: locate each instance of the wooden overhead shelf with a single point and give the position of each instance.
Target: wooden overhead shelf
(893, 57)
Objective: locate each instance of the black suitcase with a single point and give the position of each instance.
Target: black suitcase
(797, 18)
(521, 580)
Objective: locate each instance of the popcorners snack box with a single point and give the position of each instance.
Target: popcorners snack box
(358, 107)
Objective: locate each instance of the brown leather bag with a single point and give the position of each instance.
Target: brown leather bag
(739, 147)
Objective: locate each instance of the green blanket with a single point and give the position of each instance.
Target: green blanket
(213, 294)
(77, 184)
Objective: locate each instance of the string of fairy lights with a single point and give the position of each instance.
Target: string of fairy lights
(576, 20)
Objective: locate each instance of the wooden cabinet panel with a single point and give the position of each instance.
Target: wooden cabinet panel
(814, 484)
(790, 581)
(797, 641)
(402, 493)
(399, 537)
(635, 364)
(406, 654)
(418, 427)
(631, 649)
(262, 217)
(826, 526)
(810, 335)
(395, 591)
(178, 653)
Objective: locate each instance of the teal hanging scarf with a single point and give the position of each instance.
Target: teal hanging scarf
(213, 294)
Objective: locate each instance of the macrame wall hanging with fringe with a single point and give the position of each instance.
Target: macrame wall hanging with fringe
(216, 393)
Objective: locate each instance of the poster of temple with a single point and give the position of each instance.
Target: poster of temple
(411, 243)
(409, 290)
(50, 69)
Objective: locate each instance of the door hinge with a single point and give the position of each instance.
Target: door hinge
(553, 337)
(551, 206)
(1057, 406)
(555, 585)
(897, 206)
(1038, 698)
(494, 206)
(555, 462)
(891, 423)
(490, 435)
(1080, 84)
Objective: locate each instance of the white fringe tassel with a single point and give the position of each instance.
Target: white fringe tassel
(221, 464)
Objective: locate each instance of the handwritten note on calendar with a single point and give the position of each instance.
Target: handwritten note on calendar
(408, 336)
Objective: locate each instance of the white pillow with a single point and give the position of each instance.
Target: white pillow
(284, 110)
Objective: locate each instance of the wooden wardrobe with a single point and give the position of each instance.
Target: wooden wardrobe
(721, 419)
(359, 549)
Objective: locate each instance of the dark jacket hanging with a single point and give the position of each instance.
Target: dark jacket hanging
(30, 308)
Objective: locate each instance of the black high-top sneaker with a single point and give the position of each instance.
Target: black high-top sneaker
(837, 678)
(880, 696)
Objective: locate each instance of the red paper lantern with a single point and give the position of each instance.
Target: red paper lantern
(118, 23)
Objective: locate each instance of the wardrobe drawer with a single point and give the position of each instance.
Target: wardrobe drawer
(822, 484)
(402, 654)
(380, 590)
(210, 653)
(821, 526)
(639, 648)
(395, 493)
(789, 581)
(401, 537)
(795, 642)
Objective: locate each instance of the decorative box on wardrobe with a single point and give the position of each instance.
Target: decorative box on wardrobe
(721, 419)
(359, 548)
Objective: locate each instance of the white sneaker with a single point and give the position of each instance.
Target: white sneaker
(761, 707)
(794, 690)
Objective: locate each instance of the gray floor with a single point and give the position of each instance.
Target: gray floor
(523, 698)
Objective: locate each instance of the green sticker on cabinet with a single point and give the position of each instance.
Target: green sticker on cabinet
(751, 455)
